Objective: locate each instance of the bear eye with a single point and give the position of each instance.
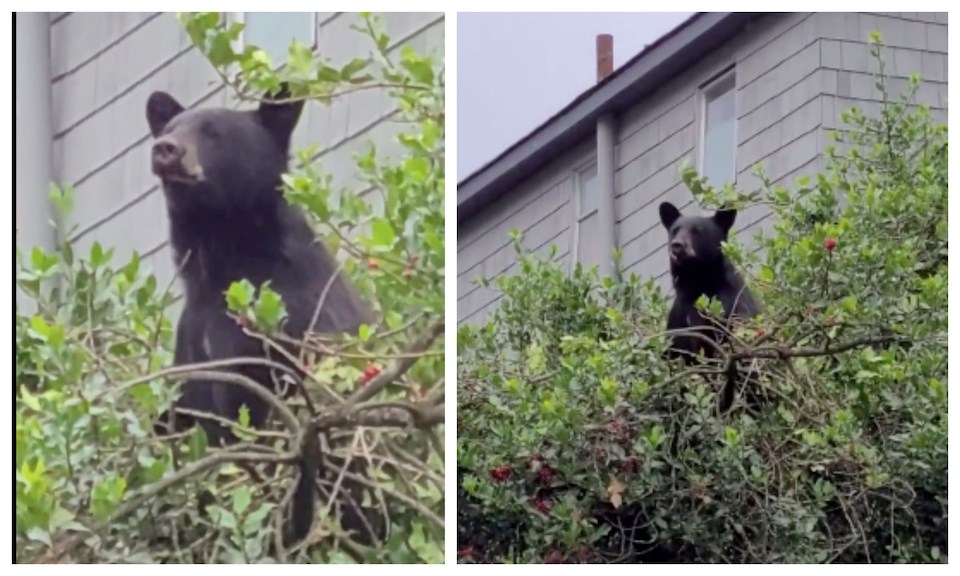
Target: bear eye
(210, 131)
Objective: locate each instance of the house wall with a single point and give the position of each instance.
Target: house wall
(105, 65)
(795, 74)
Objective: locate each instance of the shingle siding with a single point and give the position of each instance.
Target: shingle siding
(105, 65)
(541, 208)
(795, 74)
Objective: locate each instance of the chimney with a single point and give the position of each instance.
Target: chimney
(604, 56)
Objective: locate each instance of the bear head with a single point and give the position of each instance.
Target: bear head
(695, 241)
(216, 158)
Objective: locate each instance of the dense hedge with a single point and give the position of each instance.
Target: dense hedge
(93, 482)
(577, 442)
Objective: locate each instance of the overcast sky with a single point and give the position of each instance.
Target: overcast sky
(515, 70)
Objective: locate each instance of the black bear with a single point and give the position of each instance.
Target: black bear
(699, 268)
(229, 221)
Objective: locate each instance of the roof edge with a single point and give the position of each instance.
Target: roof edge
(667, 56)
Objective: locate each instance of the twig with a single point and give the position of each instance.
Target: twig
(189, 369)
(152, 490)
(403, 498)
(320, 303)
(399, 368)
(240, 380)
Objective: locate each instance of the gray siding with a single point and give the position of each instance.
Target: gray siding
(795, 74)
(105, 65)
(778, 108)
(542, 210)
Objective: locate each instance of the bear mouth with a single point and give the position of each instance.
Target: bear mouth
(682, 257)
(178, 175)
(179, 179)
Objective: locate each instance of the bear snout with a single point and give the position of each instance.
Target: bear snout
(680, 250)
(166, 155)
(171, 160)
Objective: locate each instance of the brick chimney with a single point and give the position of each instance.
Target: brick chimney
(604, 56)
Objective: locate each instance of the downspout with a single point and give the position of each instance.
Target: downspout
(34, 140)
(606, 166)
(34, 133)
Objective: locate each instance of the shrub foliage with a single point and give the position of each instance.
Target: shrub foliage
(94, 349)
(578, 442)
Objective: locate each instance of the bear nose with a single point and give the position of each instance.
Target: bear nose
(166, 154)
(677, 248)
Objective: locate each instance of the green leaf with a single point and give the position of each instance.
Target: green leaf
(241, 500)
(41, 261)
(419, 69)
(300, 59)
(62, 198)
(363, 333)
(40, 327)
(240, 296)
(221, 52)
(133, 267)
(269, 309)
(255, 520)
(417, 169)
(29, 399)
(60, 518)
(327, 74)
(38, 534)
(767, 275)
(352, 68)
(97, 255)
(382, 233)
(106, 495)
(197, 444)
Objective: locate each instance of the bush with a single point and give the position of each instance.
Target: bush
(93, 483)
(577, 442)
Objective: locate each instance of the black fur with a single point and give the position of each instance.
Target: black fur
(221, 173)
(698, 267)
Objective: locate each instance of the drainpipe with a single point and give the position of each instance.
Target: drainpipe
(34, 137)
(606, 166)
(34, 133)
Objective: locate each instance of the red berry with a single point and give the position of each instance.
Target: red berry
(372, 263)
(546, 474)
(554, 557)
(500, 473)
(583, 555)
(542, 505)
(369, 373)
(761, 332)
(829, 243)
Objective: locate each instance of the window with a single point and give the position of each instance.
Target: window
(589, 250)
(273, 32)
(718, 123)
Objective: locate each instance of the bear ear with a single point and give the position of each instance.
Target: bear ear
(280, 119)
(668, 214)
(725, 219)
(161, 109)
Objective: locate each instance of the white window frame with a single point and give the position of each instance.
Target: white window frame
(579, 216)
(241, 17)
(707, 92)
